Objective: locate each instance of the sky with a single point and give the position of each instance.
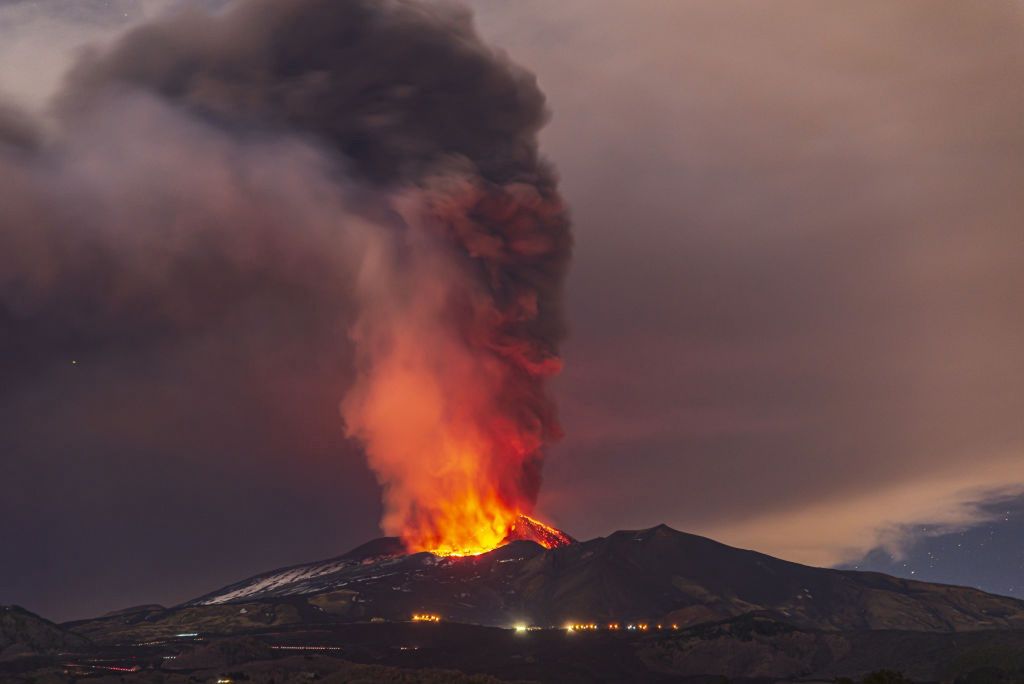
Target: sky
(793, 310)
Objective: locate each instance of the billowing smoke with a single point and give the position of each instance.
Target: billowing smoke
(372, 159)
(455, 338)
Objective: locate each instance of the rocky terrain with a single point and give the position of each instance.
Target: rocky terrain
(23, 633)
(658, 605)
(654, 575)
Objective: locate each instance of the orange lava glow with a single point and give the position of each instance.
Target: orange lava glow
(453, 353)
(467, 526)
(470, 541)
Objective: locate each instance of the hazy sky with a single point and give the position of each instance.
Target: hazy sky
(794, 305)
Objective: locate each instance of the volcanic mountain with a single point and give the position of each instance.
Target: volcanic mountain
(657, 575)
(711, 610)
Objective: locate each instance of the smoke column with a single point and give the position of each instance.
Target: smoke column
(407, 159)
(455, 339)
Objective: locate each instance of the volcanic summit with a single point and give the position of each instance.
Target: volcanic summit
(526, 528)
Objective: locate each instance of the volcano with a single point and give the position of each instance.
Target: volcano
(710, 608)
(656, 575)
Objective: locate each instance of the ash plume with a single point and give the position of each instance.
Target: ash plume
(371, 164)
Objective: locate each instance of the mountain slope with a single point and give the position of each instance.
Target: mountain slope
(23, 633)
(655, 575)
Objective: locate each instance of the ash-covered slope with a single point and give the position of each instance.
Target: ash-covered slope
(654, 575)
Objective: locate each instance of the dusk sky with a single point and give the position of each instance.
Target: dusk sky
(793, 306)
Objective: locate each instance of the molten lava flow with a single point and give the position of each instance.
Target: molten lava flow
(526, 528)
(521, 528)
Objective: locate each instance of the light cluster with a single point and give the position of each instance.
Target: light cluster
(425, 617)
(615, 626)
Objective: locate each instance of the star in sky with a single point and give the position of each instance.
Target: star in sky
(989, 556)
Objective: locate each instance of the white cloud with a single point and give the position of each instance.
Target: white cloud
(843, 530)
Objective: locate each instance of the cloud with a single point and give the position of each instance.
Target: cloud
(891, 517)
(798, 255)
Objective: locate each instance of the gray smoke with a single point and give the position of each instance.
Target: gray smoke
(222, 175)
(395, 87)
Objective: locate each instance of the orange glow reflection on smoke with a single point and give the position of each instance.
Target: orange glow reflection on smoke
(449, 399)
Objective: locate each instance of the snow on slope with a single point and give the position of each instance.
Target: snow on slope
(363, 563)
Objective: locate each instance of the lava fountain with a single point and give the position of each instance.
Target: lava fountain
(455, 342)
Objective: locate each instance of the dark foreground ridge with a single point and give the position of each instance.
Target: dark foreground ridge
(648, 605)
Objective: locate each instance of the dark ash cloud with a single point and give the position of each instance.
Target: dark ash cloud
(395, 87)
(178, 258)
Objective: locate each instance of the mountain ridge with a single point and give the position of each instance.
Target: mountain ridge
(22, 632)
(656, 574)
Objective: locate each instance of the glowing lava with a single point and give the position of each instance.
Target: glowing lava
(466, 526)
(526, 528)
(455, 341)
(521, 528)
